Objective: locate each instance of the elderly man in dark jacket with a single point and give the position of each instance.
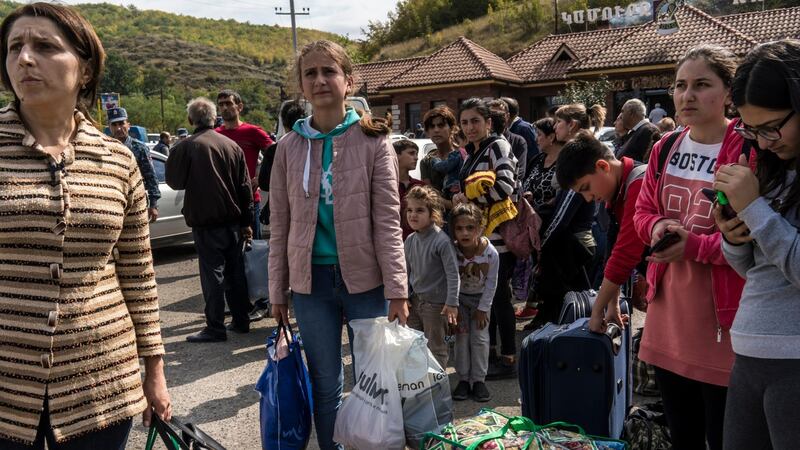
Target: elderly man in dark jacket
(219, 208)
(640, 136)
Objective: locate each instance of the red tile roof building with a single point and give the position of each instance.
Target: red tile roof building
(552, 57)
(376, 74)
(637, 61)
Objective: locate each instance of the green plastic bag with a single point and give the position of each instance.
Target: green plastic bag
(560, 435)
(506, 433)
(172, 440)
(493, 430)
(177, 436)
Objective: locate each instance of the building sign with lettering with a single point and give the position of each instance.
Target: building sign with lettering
(617, 16)
(666, 22)
(643, 11)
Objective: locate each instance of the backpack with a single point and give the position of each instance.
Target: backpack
(636, 173)
(636, 287)
(646, 428)
(644, 374)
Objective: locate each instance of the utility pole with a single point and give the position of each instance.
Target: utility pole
(293, 13)
(555, 17)
(161, 91)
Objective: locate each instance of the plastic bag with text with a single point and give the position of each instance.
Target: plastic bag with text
(424, 390)
(371, 417)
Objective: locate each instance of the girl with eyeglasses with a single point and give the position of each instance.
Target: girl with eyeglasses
(762, 244)
(693, 293)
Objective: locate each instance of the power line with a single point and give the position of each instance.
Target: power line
(292, 13)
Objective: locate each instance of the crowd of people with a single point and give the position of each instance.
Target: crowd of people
(604, 214)
(704, 214)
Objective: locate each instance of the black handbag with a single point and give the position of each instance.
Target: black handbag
(179, 436)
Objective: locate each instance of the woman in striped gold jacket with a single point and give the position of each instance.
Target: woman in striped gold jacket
(78, 301)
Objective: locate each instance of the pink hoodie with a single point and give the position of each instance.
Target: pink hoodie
(726, 285)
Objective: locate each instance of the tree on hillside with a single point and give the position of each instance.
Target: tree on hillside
(120, 75)
(414, 18)
(153, 80)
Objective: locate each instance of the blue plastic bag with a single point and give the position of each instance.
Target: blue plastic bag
(285, 390)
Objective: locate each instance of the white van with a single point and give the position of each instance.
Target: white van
(355, 102)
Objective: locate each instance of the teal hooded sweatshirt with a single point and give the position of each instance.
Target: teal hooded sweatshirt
(324, 248)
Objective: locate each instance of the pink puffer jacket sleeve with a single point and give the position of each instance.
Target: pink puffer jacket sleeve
(279, 218)
(387, 236)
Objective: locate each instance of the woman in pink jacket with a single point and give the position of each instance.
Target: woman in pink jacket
(693, 292)
(335, 225)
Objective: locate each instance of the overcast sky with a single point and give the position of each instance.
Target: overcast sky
(338, 16)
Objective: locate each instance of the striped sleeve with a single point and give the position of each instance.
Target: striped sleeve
(505, 168)
(135, 271)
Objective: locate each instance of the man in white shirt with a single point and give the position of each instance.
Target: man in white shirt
(657, 114)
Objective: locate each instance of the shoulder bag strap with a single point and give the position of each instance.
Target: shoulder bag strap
(663, 154)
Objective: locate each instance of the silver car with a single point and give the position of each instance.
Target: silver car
(425, 146)
(170, 228)
(606, 135)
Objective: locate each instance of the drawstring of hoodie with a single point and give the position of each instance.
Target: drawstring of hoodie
(307, 169)
(303, 128)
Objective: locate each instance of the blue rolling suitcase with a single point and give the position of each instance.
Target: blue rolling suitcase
(567, 373)
(579, 304)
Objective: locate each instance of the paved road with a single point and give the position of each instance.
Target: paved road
(212, 384)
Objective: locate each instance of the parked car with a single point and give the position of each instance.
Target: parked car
(170, 228)
(425, 147)
(606, 135)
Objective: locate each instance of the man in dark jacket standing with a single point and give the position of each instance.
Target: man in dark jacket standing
(519, 126)
(640, 136)
(219, 207)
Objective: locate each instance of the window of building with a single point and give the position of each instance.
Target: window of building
(437, 103)
(413, 115)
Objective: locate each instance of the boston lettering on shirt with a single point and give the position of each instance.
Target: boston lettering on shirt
(693, 162)
(689, 170)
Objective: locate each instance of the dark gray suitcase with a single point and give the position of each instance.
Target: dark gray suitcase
(577, 305)
(567, 373)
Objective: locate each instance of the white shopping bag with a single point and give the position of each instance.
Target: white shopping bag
(424, 390)
(371, 417)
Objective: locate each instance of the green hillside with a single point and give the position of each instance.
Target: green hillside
(187, 56)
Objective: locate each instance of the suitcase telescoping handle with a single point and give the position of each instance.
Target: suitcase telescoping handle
(614, 332)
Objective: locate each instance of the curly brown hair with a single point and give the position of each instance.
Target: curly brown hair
(429, 197)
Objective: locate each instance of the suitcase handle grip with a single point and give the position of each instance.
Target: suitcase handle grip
(614, 332)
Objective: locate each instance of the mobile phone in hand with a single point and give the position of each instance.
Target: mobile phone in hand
(714, 196)
(668, 240)
(710, 194)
